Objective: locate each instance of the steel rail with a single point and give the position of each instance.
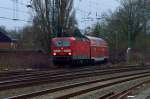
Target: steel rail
(9, 73)
(56, 72)
(24, 82)
(17, 74)
(123, 94)
(43, 92)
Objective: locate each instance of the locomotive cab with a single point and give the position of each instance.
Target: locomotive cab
(70, 50)
(61, 49)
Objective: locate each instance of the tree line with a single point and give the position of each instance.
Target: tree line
(127, 27)
(52, 18)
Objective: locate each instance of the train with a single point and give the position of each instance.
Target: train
(77, 50)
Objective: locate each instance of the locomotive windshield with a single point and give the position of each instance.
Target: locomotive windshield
(62, 43)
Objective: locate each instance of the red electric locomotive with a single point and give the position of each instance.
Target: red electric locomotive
(78, 50)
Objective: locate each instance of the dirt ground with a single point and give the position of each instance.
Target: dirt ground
(23, 60)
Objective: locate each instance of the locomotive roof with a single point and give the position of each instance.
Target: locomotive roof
(95, 38)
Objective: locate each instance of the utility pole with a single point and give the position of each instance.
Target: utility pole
(48, 25)
(55, 17)
(146, 23)
(47, 5)
(53, 22)
(15, 13)
(57, 4)
(129, 49)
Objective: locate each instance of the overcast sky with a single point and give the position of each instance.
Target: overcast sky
(7, 11)
(92, 9)
(84, 9)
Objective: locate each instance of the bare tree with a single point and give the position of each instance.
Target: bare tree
(52, 18)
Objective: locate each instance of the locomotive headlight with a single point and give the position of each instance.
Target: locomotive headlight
(54, 54)
(69, 53)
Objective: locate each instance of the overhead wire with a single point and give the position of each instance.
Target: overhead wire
(15, 10)
(10, 9)
(90, 12)
(90, 15)
(20, 3)
(14, 19)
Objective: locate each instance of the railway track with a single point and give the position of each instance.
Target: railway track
(37, 79)
(32, 71)
(72, 90)
(19, 74)
(34, 78)
(124, 94)
(22, 73)
(36, 73)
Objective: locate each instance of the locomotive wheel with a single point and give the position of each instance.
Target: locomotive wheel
(58, 64)
(93, 62)
(106, 60)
